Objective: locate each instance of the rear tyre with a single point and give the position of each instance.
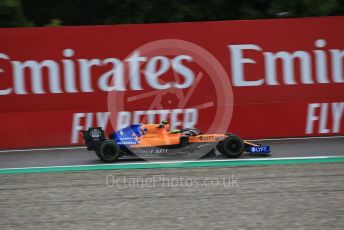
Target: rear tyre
(232, 146)
(108, 151)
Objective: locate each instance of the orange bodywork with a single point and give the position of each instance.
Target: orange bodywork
(155, 135)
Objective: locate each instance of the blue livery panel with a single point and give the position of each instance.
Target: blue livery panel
(259, 149)
(128, 136)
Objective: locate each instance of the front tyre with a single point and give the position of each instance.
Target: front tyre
(233, 146)
(108, 151)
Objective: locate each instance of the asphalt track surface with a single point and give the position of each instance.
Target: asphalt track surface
(333, 146)
(308, 196)
(292, 196)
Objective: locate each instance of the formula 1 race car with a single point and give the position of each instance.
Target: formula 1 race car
(149, 140)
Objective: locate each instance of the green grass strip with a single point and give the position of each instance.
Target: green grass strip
(182, 164)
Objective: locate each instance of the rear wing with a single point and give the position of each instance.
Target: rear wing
(93, 137)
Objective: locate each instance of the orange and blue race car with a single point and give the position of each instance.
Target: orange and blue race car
(157, 140)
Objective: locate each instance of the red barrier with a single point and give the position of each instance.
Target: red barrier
(259, 78)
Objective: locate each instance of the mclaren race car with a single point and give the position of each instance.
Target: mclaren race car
(157, 140)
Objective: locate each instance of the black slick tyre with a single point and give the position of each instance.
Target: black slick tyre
(108, 151)
(233, 146)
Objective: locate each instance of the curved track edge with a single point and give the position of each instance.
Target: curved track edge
(177, 164)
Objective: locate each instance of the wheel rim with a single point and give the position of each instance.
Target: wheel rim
(109, 151)
(234, 146)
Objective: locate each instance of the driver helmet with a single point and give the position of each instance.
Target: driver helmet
(175, 131)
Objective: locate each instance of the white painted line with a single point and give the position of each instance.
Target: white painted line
(297, 138)
(179, 162)
(41, 149)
